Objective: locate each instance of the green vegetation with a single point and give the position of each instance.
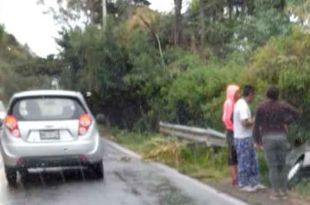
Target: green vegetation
(22, 70)
(284, 61)
(303, 188)
(208, 165)
(193, 159)
(148, 66)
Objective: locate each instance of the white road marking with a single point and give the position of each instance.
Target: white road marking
(123, 149)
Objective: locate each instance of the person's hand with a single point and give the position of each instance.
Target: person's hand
(258, 146)
(248, 122)
(286, 128)
(253, 120)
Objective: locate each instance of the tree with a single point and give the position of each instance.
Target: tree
(202, 22)
(142, 68)
(277, 63)
(178, 22)
(21, 70)
(69, 12)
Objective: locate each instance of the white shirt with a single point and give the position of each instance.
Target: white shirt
(241, 112)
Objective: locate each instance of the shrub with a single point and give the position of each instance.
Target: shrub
(285, 62)
(195, 97)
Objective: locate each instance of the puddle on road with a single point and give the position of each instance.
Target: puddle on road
(131, 186)
(144, 182)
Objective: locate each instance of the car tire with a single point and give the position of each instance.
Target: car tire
(294, 174)
(98, 169)
(11, 175)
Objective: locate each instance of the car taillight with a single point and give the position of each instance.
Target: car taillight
(84, 124)
(10, 123)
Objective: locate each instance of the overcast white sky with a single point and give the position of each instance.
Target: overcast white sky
(25, 20)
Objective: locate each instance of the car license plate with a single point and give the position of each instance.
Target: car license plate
(49, 135)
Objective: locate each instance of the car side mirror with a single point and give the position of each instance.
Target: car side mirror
(88, 94)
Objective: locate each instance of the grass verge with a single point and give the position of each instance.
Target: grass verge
(193, 159)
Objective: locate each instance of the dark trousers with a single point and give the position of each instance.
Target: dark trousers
(232, 154)
(276, 147)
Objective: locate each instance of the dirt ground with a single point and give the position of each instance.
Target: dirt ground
(260, 197)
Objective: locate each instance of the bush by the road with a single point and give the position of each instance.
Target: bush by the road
(285, 62)
(195, 97)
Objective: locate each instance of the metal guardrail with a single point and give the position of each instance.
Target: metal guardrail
(209, 136)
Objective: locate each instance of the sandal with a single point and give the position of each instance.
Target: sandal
(283, 195)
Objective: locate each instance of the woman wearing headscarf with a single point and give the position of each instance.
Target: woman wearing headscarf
(232, 95)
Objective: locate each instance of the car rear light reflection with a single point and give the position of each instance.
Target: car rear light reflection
(10, 123)
(84, 123)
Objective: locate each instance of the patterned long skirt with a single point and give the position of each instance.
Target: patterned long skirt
(247, 162)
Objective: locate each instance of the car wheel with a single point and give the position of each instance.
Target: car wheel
(11, 176)
(98, 169)
(294, 174)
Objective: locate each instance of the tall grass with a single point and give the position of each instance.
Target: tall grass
(193, 159)
(303, 188)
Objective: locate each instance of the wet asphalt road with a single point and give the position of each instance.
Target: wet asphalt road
(128, 181)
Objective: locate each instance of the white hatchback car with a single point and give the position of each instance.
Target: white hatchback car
(49, 128)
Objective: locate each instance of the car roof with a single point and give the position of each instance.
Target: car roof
(34, 93)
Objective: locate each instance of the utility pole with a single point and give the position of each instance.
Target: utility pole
(104, 14)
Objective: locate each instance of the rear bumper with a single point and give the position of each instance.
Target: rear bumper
(56, 161)
(47, 155)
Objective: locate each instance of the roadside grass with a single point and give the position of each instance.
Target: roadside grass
(263, 168)
(193, 159)
(303, 188)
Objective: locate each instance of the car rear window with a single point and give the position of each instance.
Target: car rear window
(47, 108)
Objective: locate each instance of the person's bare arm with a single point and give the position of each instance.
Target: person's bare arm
(293, 114)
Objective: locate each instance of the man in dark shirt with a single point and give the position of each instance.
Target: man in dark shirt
(270, 130)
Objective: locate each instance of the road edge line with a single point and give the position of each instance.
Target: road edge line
(206, 187)
(122, 149)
